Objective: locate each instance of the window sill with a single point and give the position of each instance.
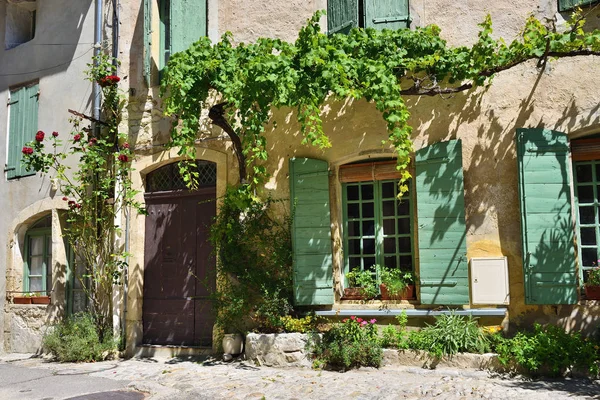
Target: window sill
(412, 312)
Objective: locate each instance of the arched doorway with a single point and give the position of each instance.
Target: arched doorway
(179, 267)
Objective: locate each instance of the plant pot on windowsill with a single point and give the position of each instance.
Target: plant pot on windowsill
(21, 300)
(353, 293)
(407, 294)
(40, 300)
(592, 292)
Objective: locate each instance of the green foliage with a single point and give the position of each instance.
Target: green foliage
(251, 79)
(365, 280)
(593, 278)
(76, 339)
(395, 280)
(350, 344)
(96, 189)
(450, 335)
(393, 336)
(254, 262)
(549, 350)
(302, 325)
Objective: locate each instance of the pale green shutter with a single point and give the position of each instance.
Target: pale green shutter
(342, 15)
(311, 232)
(564, 5)
(147, 40)
(23, 126)
(390, 14)
(188, 23)
(443, 272)
(546, 222)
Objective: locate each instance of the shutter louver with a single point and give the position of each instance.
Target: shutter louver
(147, 41)
(387, 14)
(188, 23)
(342, 16)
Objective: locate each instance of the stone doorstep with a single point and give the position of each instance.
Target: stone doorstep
(151, 351)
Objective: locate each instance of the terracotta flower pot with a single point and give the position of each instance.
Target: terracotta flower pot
(407, 294)
(592, 292)
(40, 300)
(353, 293)
(22, 300)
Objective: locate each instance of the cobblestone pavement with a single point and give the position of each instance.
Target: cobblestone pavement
(189, 379)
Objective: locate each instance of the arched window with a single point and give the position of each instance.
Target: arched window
(38, 257)
(167, 178)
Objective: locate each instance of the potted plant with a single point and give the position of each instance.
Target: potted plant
(361, 285)
(396, 284)
(24, 299)
(38, 298)
(592, 285)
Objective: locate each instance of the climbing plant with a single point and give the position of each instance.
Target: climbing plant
(241, 84)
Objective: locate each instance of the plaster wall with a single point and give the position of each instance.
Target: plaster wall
(56, 57)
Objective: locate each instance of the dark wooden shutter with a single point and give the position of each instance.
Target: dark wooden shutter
(564, 5)
(188, 23)
(390, 14)
(147, 41)
(443, 269)
(546, 220)
(311, 232)
(342, 15)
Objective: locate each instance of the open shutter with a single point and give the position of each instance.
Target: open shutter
(564, 5)
(390, 14)
(311, 232)
(443, 268)
(147, 41)
(342, 15)
(16, 112)
(546, 222)
(188, 23)
(30, 123)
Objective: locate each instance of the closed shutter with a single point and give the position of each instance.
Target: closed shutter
(546, 222)
(342, 15)
(22, 128)
(147, 41)
(443, 269)
(311, 232)
(389, 14)
(564, 5)
(188, 23)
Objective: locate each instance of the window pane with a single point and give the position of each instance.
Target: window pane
(404, 225)
(352, 192)
(368, 210)
(588, 236)
(369, 262)
(585, 194)
(406, 262)
(353, 211)
(354, 228)
(390, 262)
(49, 245)
(589, 257)
(586, 215)
(389, 245)
(387, 190)
(584, 173)
(367, 192)
(35, 265)
(35, 284)
(389, 226)
(597, 171)
(403, 207)
(354, 263)
(368, 228)
(404, 244)
(36, 245)
(388, 208)
(368, 246)
(354, 246)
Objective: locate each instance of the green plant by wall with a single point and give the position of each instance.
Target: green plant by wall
(395, 279)
(254, 262)
(395, 336)
(96, 190)
(365, 280)
(241, 84)
(350, 344)
(75, 339)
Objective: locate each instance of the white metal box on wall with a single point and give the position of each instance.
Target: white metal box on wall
(489, 280)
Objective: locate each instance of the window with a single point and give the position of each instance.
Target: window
(20, 23)
(38, 257)
(377, 226)
(23, 123)
(343, 15)
(566, 5)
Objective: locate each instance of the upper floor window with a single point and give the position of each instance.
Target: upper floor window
(22, 127)
(38, 257)
(343, 15)
(566, 5)
(20, 22)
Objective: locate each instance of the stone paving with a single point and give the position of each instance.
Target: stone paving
(212, 379)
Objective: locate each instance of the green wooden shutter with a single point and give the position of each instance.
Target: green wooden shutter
(443, 271)
(311, 232)
(390, 14)
(188, 23)
(23, 126)
(342, 15)
(147, 41)
(564, 5)
(546, 224)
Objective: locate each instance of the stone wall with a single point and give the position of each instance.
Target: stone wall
(24, 327)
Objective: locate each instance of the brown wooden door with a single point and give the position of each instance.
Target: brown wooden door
(179, 271)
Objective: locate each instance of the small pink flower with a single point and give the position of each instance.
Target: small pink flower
(353, 318)
(77, 138)
(125, 145)
(359, 320)
(55, 134)
(363, 323)
(345, 320)
(373, 321)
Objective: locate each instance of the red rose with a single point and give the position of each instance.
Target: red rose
(55, 134)
(93, 141)
(71, 203)
(123, 158)
(125, 145)
(39, 136)
(78, 205)
(27, 150)
(113, 78)
(77, 138)
(65, 198)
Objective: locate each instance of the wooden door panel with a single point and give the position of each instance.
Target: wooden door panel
(168, 321)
